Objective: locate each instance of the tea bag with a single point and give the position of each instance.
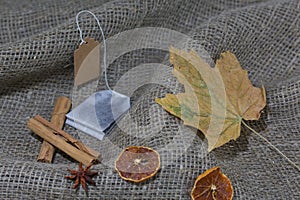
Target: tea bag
(99, 112)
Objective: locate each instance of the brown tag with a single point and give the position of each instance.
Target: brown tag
(87, 62)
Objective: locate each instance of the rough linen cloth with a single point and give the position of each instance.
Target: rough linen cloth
(38, 39)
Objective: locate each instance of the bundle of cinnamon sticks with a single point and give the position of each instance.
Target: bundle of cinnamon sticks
(54, 136)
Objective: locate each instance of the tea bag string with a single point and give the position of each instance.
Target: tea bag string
(104, 42)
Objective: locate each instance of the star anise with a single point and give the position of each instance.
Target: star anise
(82, 176)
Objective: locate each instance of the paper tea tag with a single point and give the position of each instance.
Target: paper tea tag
(98, 113)
(87, 62)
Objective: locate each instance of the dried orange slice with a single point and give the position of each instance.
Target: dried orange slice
(137, 163)
(212, 185)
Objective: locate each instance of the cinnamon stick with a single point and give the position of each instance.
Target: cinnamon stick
(61, 108)
(68, 137)
(57, 141)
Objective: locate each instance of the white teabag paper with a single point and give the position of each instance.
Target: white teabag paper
(98, 113)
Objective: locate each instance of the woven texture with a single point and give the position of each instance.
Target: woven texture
(38, 38)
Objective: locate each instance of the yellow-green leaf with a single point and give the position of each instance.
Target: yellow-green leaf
(215, 99)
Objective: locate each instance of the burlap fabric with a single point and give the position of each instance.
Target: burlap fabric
(38, 39)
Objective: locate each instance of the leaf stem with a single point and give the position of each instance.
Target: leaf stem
(267, 141)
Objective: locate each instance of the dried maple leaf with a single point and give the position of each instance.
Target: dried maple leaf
(82, 176)
(216, 100)
(212, 185)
